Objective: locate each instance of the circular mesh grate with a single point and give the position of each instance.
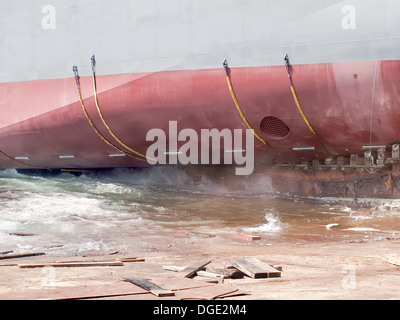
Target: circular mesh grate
(274, 128)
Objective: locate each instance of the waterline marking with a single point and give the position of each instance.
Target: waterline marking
(196, 149)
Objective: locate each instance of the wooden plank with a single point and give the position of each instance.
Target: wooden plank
(177, 284)
(234, 294)
(22, 234)
(90, 291)
(395, 260)
(206, 293)
(248, 237)
(190, 271)
(131, 260)
(82, 263)
(22, 255)
(277, 267)
(211, 275)
(228, 272)
(104, 260)
(173, 268)
(232, 268)
(148, 286)
(255, 268)
(106, 290)
(200, 235)
(6, 252)
(206, 274)
(223, 274)
(72, 264)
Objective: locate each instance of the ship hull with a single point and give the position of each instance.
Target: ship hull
(317, 81)
(350, 106)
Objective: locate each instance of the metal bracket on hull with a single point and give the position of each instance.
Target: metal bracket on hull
(396, 157)
(75, 71)
(93, 59)
(18, 160)
(288, 67)
(356, 162)
(77, 77)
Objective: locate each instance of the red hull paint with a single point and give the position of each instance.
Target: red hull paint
(350, 105)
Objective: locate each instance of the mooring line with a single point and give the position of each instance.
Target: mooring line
(77, 80)
(297, 102)
(239, 109)
(105, 122)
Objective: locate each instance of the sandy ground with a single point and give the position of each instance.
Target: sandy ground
(341, 271)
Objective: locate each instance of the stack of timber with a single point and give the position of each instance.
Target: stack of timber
(254, 268)
(251, 267)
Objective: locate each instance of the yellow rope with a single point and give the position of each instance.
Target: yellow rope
(240, 109)
(305, 118)
(301, 110)
(94, 127)
(296, 100)
(108, 127)
(75, 170)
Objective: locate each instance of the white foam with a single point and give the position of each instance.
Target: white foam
(114, 210)
(77, 220)
(210, 181)
(360, 229)
(273, 224)
(331, 225)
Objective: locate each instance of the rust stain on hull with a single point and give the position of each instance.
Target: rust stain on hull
(383, 184)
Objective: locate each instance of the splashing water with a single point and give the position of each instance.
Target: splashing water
(273, 223)
(126, 210)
